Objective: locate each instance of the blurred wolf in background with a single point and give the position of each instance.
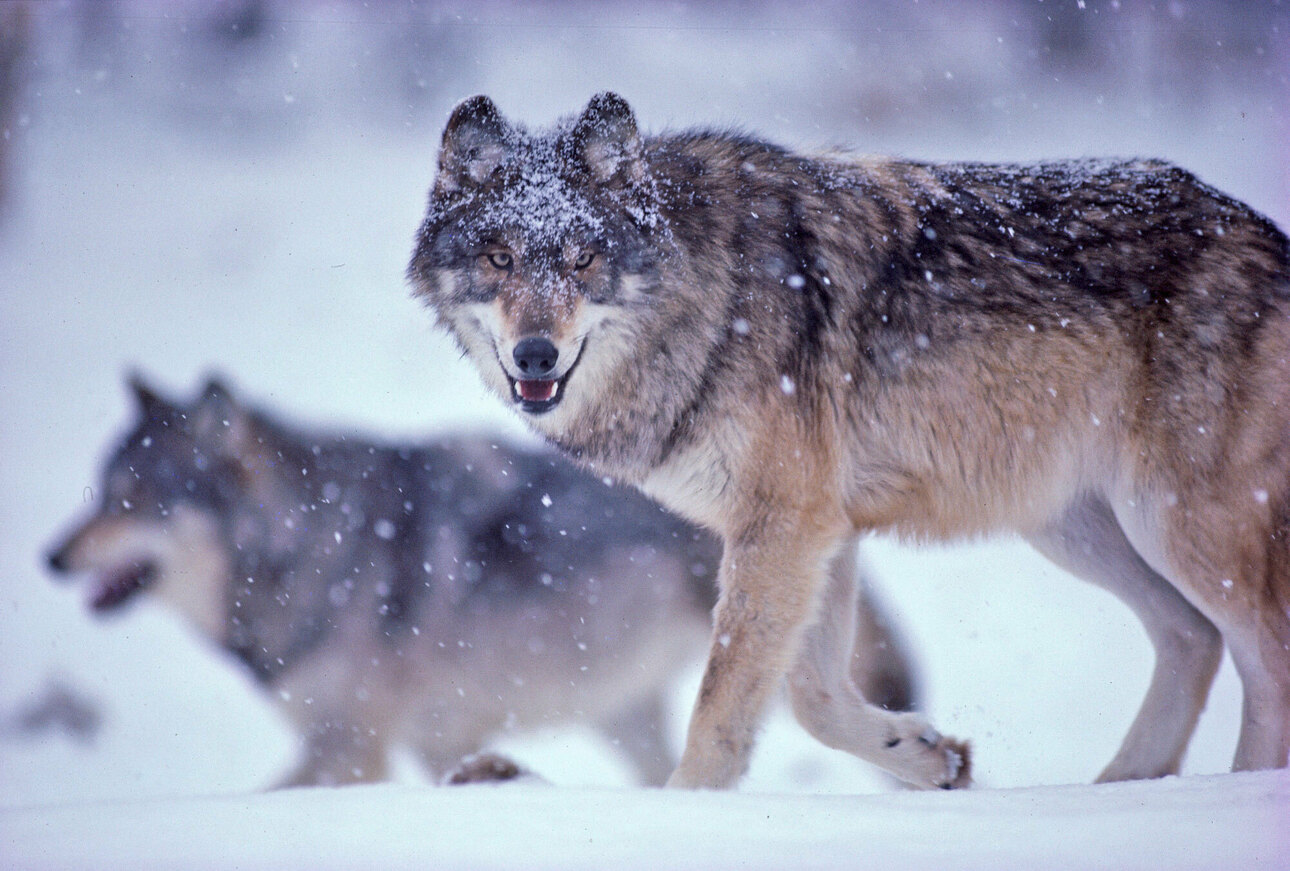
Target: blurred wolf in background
(428, 596)
(793, 350)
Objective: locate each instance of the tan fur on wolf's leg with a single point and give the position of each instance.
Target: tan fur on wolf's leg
(828, 704)
(1265, 715)
(1265, 665)
(1259, 637)
(768, 586)
(1232, 555)
(1088, 542)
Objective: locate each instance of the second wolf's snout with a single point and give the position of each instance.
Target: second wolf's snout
(57, 560)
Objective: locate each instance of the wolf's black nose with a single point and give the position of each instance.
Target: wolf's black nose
(58, 561)
(535, 356)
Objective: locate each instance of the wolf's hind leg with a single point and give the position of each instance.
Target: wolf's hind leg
(640, 731)
(1241, 574)
(1088, 542)
(1265, 711)
(337, 753)
(828, 704)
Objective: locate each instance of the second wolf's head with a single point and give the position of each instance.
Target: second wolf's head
(545, 254)
(161, 498)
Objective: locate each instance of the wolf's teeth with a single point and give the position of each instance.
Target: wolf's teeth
(546, 392)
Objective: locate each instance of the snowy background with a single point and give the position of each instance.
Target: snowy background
(192, 187)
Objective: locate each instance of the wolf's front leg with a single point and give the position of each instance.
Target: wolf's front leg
(769, 587)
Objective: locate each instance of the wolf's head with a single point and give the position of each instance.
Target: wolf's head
(159, 501)
(537, 249)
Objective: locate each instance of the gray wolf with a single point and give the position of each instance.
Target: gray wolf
(427, 596)
(793, 350)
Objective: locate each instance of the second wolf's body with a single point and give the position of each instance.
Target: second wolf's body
(430, 596)
(795, 349)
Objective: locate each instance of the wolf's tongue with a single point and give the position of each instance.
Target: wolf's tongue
(537, 391)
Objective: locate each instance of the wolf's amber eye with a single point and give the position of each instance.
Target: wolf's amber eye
(500, 260)
(584, 260)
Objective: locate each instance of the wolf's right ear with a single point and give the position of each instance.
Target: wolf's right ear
(608, 140)
(474, 144)
(219, 420)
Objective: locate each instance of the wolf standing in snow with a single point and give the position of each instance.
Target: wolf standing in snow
(795, 350)
(426, 596)
(429, 596)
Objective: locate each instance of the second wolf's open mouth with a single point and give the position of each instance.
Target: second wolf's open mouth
(114, 588)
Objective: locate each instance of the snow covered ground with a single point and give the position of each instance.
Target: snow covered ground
(1223, 822)
(184, 202)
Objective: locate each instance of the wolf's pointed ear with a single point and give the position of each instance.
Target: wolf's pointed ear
(607, 140)
(218, 418)
(216, 392)
(474, 144)
(148, 400)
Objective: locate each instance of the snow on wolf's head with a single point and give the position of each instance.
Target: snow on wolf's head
(534, 247)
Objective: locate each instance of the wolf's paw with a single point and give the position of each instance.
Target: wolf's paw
(925, 758)
(488, 768)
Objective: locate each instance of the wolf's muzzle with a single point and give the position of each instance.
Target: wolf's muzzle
(535, 389)
(57, 560)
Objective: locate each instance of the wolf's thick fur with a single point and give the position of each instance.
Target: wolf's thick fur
(429, 596)
(793, 350)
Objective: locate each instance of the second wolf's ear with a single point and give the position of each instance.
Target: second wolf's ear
(608, 141)
(215, 393)
(218, 419)
(149, 402)
(474, 144)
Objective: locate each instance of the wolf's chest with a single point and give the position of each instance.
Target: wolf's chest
(694, 483)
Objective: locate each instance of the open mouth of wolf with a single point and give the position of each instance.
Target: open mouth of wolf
(112, 589)
(540, 395)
